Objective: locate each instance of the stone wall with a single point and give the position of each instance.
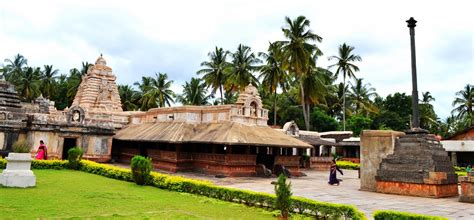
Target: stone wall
(374, 146)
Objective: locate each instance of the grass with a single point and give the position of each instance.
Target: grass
(74, 194)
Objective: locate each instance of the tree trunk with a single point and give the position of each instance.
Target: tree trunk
(222, 98)
(344, 101)
(275, 108)
(306, 121)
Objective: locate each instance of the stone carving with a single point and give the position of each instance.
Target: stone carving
(75, 114)
(98, 91)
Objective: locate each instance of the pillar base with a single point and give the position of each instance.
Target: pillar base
(417, 189)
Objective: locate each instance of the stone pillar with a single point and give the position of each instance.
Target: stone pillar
(321, 150)
(374, 146)
(333, 150)
(454, 158)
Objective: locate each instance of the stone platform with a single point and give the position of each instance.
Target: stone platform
(419, 166)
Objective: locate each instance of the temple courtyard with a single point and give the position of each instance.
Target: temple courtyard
(314, 186)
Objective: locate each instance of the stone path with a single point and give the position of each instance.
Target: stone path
(314, 186)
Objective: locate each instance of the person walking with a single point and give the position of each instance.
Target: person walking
(333, 174)
(42, 152)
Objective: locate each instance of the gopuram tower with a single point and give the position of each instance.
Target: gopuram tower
(98, 90)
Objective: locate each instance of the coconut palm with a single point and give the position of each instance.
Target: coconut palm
(14, 68)
(128, 97)
(215, 70)
(194, 93)
(464, 103)
(48, 81)
(361, 95)
(241, 69)
(85, 67)
(28, 83)
(345, 67)
(73, 83)
(157, 93)
(427, 97)
(298, 51)
(272, 73)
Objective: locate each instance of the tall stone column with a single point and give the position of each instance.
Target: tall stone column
(416, 118)
(454, 158)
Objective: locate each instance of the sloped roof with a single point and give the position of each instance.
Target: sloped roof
(224, 132)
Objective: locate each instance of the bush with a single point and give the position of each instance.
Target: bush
(74, 157)
(21, 147)
(141, 168)
(393, 215)
(283, 196)
(347, 165)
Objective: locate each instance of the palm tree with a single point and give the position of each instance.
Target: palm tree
(128, 97)
(28, 83)
(272, 73)
(48, 81)
(194, 93)
(15, 67)
(85, 67)
(157, 93)
(215, 70)
(361, 95)
(73, 83)
(464, 103)
(240, 72)
(298, 52)
(427, 97)
(347, 68)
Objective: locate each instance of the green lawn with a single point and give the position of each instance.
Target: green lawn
(75, 194)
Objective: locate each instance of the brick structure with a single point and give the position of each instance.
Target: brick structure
(419, 166)
(467, 188)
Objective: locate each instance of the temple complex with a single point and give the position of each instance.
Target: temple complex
(89, 123)
(231, 140)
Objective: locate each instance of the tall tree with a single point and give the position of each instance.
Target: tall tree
(48, 81)
(194, 93)
(427, 97)
(345, 65)
(298, 51)
(463, 104)
(215, 70)
(14, 68)
(241, 69)
(73, 83)
(361, 95)
(158, 93)
(28, 83)
(128, 97)
(272, 74)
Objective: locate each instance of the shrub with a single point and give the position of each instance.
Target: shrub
(347, 165)
(283, 196)
(74, 157)
(393, 215)
(141, 168)
(21, 147)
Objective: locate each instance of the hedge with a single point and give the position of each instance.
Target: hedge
(347, 165)
(395, 215)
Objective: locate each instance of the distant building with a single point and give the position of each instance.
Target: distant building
(460, 147)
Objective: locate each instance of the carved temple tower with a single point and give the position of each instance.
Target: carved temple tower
(98, 90)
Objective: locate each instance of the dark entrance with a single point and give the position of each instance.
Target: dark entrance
(68, 144)
(266, 159)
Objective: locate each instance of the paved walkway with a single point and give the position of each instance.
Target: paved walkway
(314, 186)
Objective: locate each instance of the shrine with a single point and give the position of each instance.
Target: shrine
(228, 140)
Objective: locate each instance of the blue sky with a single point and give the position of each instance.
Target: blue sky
(140, 38)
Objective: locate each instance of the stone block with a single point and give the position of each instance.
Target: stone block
(375, 145)
(17, 172)
(416, 189)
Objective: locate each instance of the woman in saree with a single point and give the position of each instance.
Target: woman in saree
(333, 174)
(42, 153)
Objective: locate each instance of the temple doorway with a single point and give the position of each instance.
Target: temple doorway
(263, 157)
(68, 144)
